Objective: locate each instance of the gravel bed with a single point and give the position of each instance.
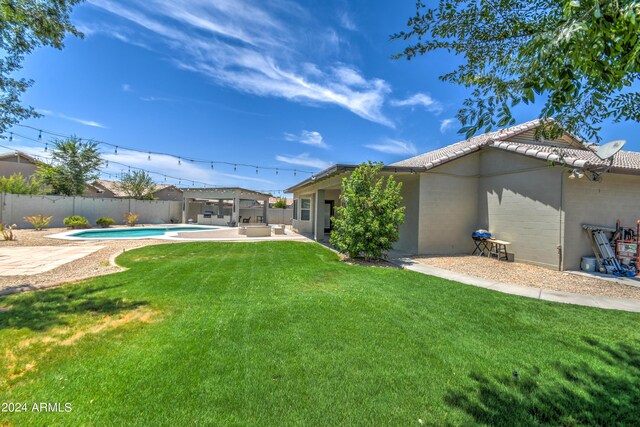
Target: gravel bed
(96, 264)
(531, 275)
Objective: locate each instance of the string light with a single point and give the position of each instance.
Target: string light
(11, 136)
(179, 161)
(46, 147)
(212, 165)
(149, 156)
(256, 170)
(276, 171)
(235, 167)
(180, 158)
(108, 163)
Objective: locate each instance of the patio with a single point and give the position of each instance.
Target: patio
(224, 206)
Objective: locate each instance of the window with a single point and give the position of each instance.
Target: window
(295, 209)
(305, 209)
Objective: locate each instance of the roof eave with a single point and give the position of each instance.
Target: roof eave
(340, 168)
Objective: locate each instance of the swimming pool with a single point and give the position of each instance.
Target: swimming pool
(130, 233)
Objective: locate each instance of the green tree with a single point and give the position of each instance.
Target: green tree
(18, 184)
(24, 26)
(280, 203)
(581, 57)
(137, 185)
(367, 224)
(73, 164)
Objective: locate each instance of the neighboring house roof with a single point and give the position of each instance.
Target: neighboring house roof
(28, 158)
(573, 152)
(114, 187)
(272, 200)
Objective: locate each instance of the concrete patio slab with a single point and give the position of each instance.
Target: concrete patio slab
(609, 303)
(30, 260)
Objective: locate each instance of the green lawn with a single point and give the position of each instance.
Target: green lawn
(282, 333)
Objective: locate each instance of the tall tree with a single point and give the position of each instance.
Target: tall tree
(581, 57)
(137, 185)
(24, 26)
(367, 224)
(73, 164)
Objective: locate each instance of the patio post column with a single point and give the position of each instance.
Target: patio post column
(318, 217)
(185, 206)
(235, 214)
(265, 210)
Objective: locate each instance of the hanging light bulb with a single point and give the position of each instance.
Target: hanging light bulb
(149, 156)
(276, 171)
(106, 164)
(211, 165)
(179, 182)
(179, 161)
(40, 136)
(46, 147)
(256, 170)
(235, 167)
(295, 172)
(11, 136)
(116, 150)
(165, 178)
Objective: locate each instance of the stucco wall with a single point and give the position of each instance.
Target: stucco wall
(449, 207)
(8, 168)
(411, 199)
(519, 201)
(599, 203)
(14, 207)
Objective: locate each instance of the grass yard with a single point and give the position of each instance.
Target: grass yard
(282, 333)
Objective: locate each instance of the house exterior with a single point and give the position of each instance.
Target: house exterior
(103, 188)
(521, 189)
(17, 162)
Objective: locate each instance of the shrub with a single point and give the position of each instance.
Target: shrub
(7, 231)
(105, 222)
(131, 218)
(367, 223)
(38, 221)
(76, 221)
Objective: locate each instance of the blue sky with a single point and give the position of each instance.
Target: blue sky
(281, 84)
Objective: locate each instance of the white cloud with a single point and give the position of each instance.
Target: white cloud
(307, 137)
(246, 46)
(446, 124)
(126, 87)
(419, 99)
(304, 160)
(71, 119)
(394, 146)
(347, 21)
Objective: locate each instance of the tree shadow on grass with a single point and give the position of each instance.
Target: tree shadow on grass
(564, 394)
(39, 311)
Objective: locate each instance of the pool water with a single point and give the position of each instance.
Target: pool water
(128, 233)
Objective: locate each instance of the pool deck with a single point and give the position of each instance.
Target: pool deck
(71, 234)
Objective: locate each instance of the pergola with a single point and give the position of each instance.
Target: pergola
(224, 206)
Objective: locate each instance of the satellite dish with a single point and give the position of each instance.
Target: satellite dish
(609, 149)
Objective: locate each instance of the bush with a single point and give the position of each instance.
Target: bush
(76, 221)
(105, 222)
(131, 218)
(280, 204)
(38, 221)
(367, 223)
(7, 231)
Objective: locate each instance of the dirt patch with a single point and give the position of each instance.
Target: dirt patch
(530, 275)
(363, 263)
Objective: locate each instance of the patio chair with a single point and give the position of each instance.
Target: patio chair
(246, 220)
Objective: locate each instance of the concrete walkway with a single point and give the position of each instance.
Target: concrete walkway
(30, 260)
(524, 291)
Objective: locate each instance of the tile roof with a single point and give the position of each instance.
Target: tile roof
(577, 155)
(459, 149)
(114, 187)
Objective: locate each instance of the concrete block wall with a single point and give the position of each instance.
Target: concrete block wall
(449, 207)
(519, 200)
(14, 207)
